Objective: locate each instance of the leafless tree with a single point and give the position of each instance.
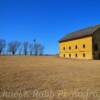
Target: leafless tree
(2, 45)
(41, 49)
(31, 48)
(13, 47)
(35, 48)
(38, 48)
(20, 49)
(25, 47)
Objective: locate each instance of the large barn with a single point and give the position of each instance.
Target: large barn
(82, 44)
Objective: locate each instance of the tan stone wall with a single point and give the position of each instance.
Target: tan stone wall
(68, 49)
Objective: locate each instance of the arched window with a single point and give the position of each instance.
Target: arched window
(70, 55)
(84, 55)
(63, 48)
(76, 47)
(84, 46)
(76, 55)
(69, 47)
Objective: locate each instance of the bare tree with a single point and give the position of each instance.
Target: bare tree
(2, 45)
(35, 48)
(20, 49)
(41, 49)
(38, 48)
(13, 47)
(25, 47)
(31, 48)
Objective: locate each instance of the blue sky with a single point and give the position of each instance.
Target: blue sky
(46, 20)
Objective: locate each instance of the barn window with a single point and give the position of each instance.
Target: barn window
(69, 47)
(63, 48)
(84, 55)
(76, 47)
(76, 55)
(84, 46)
(70, 55)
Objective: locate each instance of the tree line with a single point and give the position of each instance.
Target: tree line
(19, 48)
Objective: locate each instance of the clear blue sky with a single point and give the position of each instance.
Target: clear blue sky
(46, 20)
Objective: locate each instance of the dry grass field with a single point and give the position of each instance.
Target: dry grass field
(48, 78)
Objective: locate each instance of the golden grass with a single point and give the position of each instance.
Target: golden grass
(48, 78)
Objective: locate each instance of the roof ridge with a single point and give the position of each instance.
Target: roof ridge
(87, 28)
(82, 32)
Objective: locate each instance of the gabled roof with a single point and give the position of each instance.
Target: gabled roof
(81, 33)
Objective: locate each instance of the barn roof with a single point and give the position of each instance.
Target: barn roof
(81, 33)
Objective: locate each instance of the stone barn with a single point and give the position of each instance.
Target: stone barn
(82, 44)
